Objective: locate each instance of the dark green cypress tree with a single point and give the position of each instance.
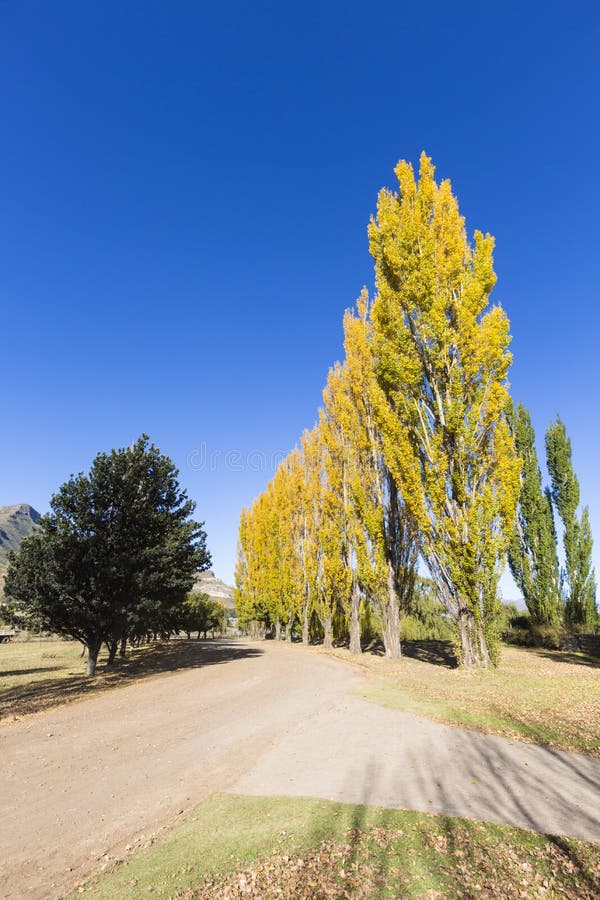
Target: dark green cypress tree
(580, 608)
(532, 554)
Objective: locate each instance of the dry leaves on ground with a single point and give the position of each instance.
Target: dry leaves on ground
(464, 862)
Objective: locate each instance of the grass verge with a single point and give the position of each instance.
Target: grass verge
(233, 846)
(542, 696)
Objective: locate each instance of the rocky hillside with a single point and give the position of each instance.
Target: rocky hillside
(208, 583)
(16, 522)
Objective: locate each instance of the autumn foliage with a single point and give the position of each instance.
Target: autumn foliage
(413, 455)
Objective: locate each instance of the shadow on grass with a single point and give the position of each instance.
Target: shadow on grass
(168, 656)
(575, 858)
(567, 656)
(438, 653)
(7, 673)
(443, 653)
(343, 850)
(442, 853)
(547, 730)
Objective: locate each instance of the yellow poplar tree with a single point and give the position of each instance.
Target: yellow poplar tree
(251, 573)
(243, 592)
(269, 558)
(260, 593)
(381, 534)
(284, 561)
(292, 504)
(271, 569)
(311, 511)
(442, 363)
(338, 461)
(333, 576)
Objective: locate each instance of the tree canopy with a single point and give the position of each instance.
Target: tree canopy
(202, 614)
(442, 362)
(116, 555)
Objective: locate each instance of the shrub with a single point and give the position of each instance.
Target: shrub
(551, 637)
(519, 637)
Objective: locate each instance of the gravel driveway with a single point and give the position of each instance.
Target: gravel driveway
(89, 778)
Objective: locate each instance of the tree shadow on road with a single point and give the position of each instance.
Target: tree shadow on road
(499, 789)
(159, 657)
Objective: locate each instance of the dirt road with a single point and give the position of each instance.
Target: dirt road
(89, 778)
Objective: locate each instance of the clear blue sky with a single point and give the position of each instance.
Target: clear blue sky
(185, 189)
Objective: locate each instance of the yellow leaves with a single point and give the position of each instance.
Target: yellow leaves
(442, 362)
(421, 394)
(406, 178)
(426, 173)
(483, 262)
(493, 338)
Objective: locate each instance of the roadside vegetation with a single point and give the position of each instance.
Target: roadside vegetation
(300, 849)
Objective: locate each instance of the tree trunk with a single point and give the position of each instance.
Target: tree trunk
(288, 630)
(327, 633)
(123, 647)
(277, 630)
(355, 619)
(93, 650)
(112, 652)
(391, 635)
(305, 624)
(391, 628)
(475, 653)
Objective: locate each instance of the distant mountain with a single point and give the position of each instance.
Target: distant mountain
(208, 583)
(16, 522)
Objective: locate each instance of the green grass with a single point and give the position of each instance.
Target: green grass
(314, 848)
(543, 696)
(23, 662)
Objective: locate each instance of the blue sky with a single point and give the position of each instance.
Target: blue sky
(185, 189)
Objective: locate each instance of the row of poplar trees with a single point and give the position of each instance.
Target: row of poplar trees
(413, 455)
(555, 595)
